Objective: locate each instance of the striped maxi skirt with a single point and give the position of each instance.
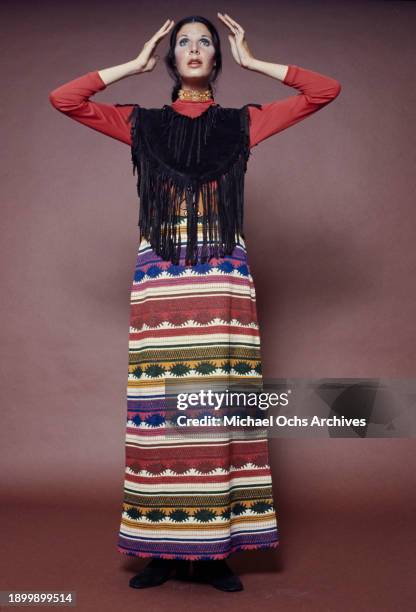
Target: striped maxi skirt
(192, 498)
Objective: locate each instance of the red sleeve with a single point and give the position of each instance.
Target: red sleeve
(73, 99)
(315, 91)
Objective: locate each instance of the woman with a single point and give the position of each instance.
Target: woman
(190, 502)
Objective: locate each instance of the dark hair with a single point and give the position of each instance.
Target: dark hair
(170, 56)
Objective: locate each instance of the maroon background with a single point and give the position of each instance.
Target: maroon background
(330, 218)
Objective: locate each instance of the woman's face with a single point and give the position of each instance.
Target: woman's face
(194, 42)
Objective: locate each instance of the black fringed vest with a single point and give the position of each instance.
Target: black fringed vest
(181, 158)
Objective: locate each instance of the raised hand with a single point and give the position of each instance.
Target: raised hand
(146, 61)
(239, 47)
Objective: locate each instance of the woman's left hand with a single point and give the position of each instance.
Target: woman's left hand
(239, 47)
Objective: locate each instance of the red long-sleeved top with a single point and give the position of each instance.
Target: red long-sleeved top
(315, 91)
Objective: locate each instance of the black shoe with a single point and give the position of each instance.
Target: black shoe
(183, 569)
(155, 573)
(218, 574)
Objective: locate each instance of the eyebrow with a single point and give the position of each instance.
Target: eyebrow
(202, 35)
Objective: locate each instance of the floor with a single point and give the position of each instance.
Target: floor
(359, 560)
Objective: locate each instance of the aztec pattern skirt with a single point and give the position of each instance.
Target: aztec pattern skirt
(187, 498)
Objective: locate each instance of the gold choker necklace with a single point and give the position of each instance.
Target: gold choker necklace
(195, 95)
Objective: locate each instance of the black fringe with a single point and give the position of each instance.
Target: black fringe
(179, 157)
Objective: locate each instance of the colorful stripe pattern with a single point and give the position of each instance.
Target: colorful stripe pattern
(187, 498)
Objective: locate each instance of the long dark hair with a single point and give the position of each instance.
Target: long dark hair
(169, 58)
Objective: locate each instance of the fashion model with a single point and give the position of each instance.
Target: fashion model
(190, 502)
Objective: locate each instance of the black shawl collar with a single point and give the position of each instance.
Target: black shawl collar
(182, 158)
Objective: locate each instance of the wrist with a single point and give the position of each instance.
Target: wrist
(134, 67)
(252, 64)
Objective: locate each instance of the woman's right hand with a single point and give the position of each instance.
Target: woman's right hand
(146, 61)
